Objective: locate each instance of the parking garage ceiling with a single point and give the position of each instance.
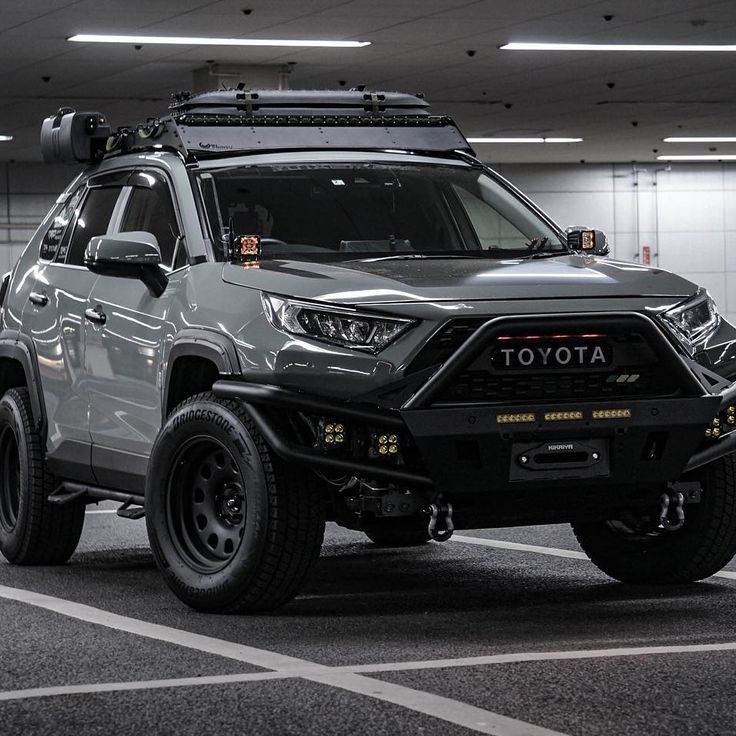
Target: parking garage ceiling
(621, 103)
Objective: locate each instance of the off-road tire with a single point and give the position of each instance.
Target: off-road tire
(701, 548)
(281, 525)
(398, 532)
(33, 531)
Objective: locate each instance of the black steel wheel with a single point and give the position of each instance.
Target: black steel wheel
(206, 505)
(705, 543)
(32, 530)
(232, 528)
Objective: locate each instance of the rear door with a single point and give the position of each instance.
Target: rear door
(54, 319)
(124, 345)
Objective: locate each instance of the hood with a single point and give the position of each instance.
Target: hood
(460, 279)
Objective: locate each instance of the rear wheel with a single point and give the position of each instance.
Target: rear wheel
(32, 530)
(706, 542)
(232, 528)
(409, 532)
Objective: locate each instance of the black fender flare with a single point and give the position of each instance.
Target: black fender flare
(19, 347)
(214, 346)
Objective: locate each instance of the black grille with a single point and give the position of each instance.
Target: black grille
(637, 370)
(474, 386)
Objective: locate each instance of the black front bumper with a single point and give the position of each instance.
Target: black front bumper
(473, 450)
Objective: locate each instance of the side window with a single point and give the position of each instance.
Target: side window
(151, 210)
(93, 220)
(57, 229)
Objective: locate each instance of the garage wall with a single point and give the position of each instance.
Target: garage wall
(686, 215)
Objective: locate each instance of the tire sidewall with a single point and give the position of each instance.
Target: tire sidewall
(12, 540)
(211, 419)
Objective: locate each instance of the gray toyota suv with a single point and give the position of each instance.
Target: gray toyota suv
(271, 309)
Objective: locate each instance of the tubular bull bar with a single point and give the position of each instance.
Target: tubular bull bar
(482, 448)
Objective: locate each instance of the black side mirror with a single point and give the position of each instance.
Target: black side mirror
(586, 241)
(133, 255)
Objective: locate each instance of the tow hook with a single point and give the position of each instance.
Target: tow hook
(671, 512)
(440, 523)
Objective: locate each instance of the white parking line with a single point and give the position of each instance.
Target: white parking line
(549, 551)
(113, 687)
(516, 657)
(446, 709)
(101, 511)
(516, 547)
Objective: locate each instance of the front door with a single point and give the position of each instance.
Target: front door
(124, 343)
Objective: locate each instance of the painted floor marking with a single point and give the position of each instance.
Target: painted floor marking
(516, 657)
(549, 551)
(101, 511)
(516, 547)
(452, 711)
(209, 645)
(463, 714)
(113, 687)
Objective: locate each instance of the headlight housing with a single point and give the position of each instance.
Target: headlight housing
(335, 325)
(693, 321)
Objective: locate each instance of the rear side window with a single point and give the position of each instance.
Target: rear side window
(55, 234)
(93, 220)
(151, 210)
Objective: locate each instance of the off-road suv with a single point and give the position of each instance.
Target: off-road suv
(271, 309)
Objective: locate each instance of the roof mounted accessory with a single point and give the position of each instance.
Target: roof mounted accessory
(74, 137)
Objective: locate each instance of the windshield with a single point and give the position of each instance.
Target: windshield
(341, 211)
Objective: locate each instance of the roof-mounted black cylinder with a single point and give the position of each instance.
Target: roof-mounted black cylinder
(74, 137)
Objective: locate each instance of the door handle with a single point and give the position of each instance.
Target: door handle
(96, 315)
(38, 298)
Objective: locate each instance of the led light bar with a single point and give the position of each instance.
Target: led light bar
(6, 137)
(203, 41)
(515, 418)
(525, 140)
(689, 47)
(699, 139)
(699, 157)
(562, 416)
(612, 414)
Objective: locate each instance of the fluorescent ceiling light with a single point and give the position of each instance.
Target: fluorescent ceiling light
(6, 137)
(197, 41)
(699, 139)
(525, 140)
(616, 47)
(700, 157)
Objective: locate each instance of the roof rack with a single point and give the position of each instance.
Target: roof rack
(239, 121)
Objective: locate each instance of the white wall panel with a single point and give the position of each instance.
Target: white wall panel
(578, 208)
(695, 251)
(690, 210)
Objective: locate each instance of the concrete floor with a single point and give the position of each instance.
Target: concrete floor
(454, 638)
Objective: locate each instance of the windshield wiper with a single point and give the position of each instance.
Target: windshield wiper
(538, 248)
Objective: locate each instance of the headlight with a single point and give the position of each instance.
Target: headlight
(693, 321)
(336, 325)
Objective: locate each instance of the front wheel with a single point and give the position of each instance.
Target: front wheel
(232, 528)
(706, 542)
